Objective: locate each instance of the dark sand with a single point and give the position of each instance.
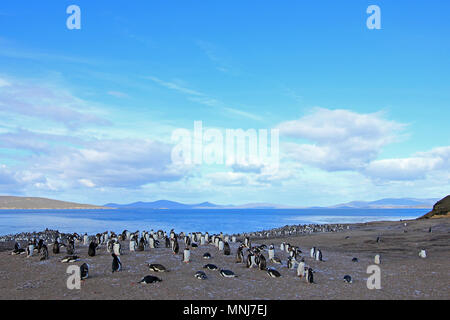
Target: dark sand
(404, 275)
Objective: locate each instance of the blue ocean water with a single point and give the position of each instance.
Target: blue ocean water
(213, 221)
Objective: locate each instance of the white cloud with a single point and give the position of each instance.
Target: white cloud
(341, 139)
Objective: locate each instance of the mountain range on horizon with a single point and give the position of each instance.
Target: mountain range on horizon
(387, 203)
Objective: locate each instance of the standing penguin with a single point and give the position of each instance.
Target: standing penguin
(291, 263)
(44, 252)
(239, 255)
(117, 248)
(56, 247)
(319, 255)
(85, 239)
(167, 241)
(116, 264)
(133, 244)
(226, 249)
(262, 263)
(377, 259)
(30, 249)
(175, 246)
(141, 246)
(221, 245)
(186, 255)
(309, 276)
(92, 246)
(301, 269)
(84, 271)
(271, 251)
(313, 252)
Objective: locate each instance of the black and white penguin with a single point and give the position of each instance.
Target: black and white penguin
(167, 241)
(141, 246)
(186, 255)
(273, 273)
(355, 259)
(200, 275)
(117, 248)
(18, 249)
(56, 246)
(319, 255)
(313, 252)
(70, 247)
(301, 268)
(227, 274)
(239, 255)
(291, 263)
(348, 279)
(271, 251)
(70, 259)
(210, 266)
(175, 246)
(92, 246)
(226, 249)
(40, 244)
(276, 260)
(262, 262)
(116, 263)
(251, 261)
(157, 267)
(84, 271)
(44, 252)
(309, 276)
(30, 249)
(150, 279)
(207, 255)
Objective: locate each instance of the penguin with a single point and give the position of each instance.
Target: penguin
(423, 254)
(262, 262)
(226, 249)
(84, 271)
(377, 259)
(69, 259)
(355, 259)
(221, 245)
(250, 260)
(273, 273)
(116, 264)
(92, 246)
(313, 252)
(70, 247)
(56, 247)
(247, 242)
(186, 255)
(291, 263)
(227, 274)
(207, 255)
(18, 249)
(151, 242)
(348, 279)
(141, 246)
(117, 248)
(44, 252)
(30, 249)
(210, 266)
(40, 244)
(167, 241)
(309, 276)
(200, 275)
(157, 267)
(319, 255)
(276, 260)
(239, 255)
(301, 269)
(150, 279)
(282, 246)
(85, 239)
(133, 244)
(175, 246)
(271, 251)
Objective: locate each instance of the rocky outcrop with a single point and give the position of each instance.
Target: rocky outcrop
(440, 209)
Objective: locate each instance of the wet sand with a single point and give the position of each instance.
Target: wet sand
(404, 275)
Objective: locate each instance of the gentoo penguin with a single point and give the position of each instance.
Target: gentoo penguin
(282, 246)
(92, 246)
(309, 276)
(18, 249)
(167, 241)
(69, 259)
(226, 249)
(273, 273)
(157, 267)
(56, 247)
(141, 246)
(239, 255)
(70, 247)
(423, 254)
(377, 259)
(116, 264)
(210, 266)
(355, 259)
(276, 260)
(313, 252)
(151, 242)
(247, 242)
(150, 279)
(44, 252)
(348, 279)
(301, 269)
(200, 275)
(262, 262)
(221, 245)
(227, 274)
(40, 244)
(291, 263)
(84, 271)
(175, 246)
(207, 255)
(85, 239)
(251, 261)
(30, 249)
(133, 244)
(319, 255)
(271, 251)
(186, 255)
(117, 248)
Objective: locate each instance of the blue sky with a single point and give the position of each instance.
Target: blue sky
(87, 115)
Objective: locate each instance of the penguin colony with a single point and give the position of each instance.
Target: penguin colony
(251, 255)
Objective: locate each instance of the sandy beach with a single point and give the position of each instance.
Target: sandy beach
(404, 275)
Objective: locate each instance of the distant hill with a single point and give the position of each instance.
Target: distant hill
(162, 204)
(440, 209)
(402, 203)
(8, 202)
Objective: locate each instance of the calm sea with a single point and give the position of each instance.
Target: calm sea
(213, 221)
